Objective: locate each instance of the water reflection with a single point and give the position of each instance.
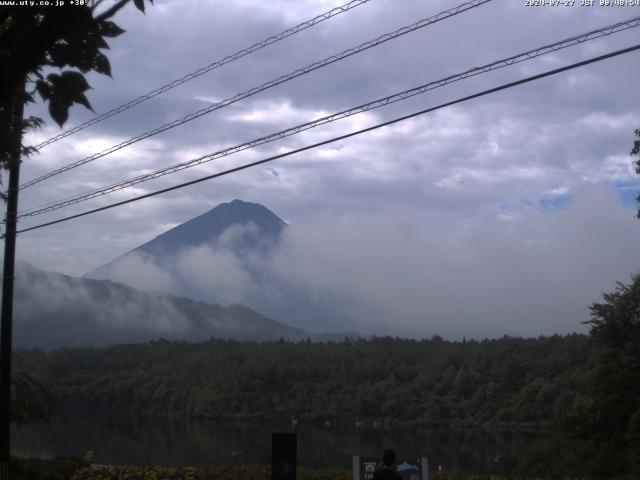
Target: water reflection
(139, 441)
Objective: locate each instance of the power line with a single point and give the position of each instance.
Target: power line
(531, 54)
(212, 66)
(282, 79)
(342, 137)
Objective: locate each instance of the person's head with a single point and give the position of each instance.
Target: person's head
(388, 457)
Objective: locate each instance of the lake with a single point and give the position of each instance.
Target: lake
(178, 442)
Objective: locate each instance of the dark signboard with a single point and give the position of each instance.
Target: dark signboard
(409, 468)
(367, 467)
(284, 453)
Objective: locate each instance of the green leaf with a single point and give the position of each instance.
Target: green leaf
(53, 78)
(101, 42)
(43, 89)
(73, 82)
(82, 100)
(110, 29)
(32, 122)
(58, 110)
(59, 55)
(66, 89)
(85, 61)
(101, 64)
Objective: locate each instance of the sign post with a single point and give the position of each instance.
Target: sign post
(284, 456)
(410, 468)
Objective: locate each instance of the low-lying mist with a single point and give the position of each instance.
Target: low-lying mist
(521, 271)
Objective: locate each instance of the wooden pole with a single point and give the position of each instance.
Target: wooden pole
(6, 322)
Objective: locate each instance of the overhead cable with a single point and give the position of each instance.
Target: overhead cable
(282, 79)
(212, 66)
(521, 57)
(342, 137)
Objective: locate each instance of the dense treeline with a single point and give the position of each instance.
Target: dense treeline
(604, 422)
(510, 382)
(584, 390)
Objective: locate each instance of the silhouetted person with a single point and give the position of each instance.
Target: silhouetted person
(386, 471)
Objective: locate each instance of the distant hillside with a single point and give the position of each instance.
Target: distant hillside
(54, 310)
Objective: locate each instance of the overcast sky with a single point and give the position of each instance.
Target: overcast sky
(509, 213)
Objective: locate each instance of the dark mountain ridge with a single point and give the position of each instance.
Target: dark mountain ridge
(54, 310)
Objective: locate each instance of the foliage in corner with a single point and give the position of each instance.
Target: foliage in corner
(31, 401)
(615, 329)
(636, 151)
(46, 51)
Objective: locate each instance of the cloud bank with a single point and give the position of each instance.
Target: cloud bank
(526, 270)
(490, 192)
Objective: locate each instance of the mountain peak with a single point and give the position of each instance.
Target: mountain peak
(256, 226)
(208, 227)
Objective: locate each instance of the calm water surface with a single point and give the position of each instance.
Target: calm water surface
(136, 441)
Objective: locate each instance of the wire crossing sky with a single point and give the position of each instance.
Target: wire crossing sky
(342, 137)
(265, 86)
(212, 66)
(521, 57)
(528, 190)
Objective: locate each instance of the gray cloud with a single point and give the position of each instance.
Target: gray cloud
(528, 274)
(522, 272)
(478, 160)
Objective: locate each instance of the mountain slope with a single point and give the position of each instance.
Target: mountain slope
(237, 252)
(54, 310)
(260, 230)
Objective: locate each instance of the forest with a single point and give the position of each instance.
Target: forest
(582, 390)
(510, 382)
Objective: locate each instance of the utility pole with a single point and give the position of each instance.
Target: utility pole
(7, 286)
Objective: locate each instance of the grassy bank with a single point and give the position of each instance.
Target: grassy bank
(75, 469)
(62, 468)
(201, 473)
(242, 473)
